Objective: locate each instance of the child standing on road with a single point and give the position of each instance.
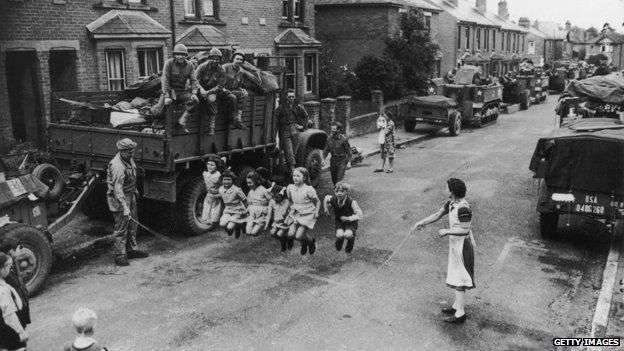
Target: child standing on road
(258, 199)
(234, 215)
(347, 214)
(386, 142)
(278, 209)
(212, 203)
(84, 322)
(304, 210)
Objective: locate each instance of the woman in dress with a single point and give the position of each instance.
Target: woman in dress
(304, 210)
(386, 142)
(460, 269)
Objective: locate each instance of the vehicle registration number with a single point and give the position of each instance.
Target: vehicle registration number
(593, 209)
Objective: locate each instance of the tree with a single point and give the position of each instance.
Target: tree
(591, 34)
(333, 81)
(412, 50)
(378, 74)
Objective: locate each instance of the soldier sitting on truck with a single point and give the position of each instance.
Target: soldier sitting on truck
(176, 73)
(211, 78)
(234, 73)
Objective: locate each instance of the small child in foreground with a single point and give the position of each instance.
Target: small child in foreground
(234, 216)
(84, 322)
(347, 214)
(279, 207)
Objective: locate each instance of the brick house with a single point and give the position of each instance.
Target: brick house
(610, 44)
(555, 46)
(352, 29)
(534, 41)
(479, 37)
(61, 45)
(283, 31)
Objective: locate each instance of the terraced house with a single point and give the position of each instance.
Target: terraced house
(86, 45)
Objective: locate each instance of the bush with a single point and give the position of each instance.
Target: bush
(334, 81)
(378, 74)
(595, 59)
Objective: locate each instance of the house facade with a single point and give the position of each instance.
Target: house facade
(65, 45)
(351, 29)
(555, 45)
(534, 49)
(611, 45)
(281, 31)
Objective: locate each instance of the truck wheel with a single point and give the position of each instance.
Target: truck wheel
(95, 205)
(548, 224)
(34, 257)
(454, 124)
(51, 176)
(314, 164)
(189, 207)
(525, 100)
(409, 125)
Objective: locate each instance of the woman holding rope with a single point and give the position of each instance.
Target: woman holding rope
(460, 270)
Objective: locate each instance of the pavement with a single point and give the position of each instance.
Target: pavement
(214, 292)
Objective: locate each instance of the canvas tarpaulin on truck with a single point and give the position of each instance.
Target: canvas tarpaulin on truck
(609, 89)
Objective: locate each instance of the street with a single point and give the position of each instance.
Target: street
(215, 292)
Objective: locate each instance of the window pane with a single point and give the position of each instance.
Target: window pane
(297, 4)
(189, 7)
(149, 62)
(208, 7)
(115, 70)
(285, 6)
(135, 1)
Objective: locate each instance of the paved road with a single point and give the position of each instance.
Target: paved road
(218, 293)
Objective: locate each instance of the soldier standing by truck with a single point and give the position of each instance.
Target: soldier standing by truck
(234, 73)
(176, 73)
(211, 78)
(292, 118)
(122, 202)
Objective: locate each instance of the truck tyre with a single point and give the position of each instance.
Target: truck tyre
(548, 224)
(51, 176)
(313, 162)
(525, 100)
(35, 256)
(95, 205)
(189, 207)
(409, 125)
(454, 123)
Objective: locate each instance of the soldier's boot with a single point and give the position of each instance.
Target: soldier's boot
(182, 121)
(238, 120)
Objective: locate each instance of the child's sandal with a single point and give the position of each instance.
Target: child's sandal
(389, 170)
(378, 170)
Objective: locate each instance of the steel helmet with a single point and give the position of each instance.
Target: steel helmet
(215, 52)
(180, 49)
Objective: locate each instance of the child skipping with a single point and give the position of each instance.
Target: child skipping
(347, 214)
(279, 206)
(258, 198)
(234, 216)
(305, 207)
(212, 203)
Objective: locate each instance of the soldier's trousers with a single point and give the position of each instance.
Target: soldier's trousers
(124, 232)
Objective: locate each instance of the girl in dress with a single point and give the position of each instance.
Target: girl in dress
(234, 215)
(278, 210)
(386, 142)
(304, 210)
(258, 199)
(212, 203)
(460, 269)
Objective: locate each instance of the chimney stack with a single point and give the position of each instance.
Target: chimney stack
(502, 10)
(524, 22)
(481, 6)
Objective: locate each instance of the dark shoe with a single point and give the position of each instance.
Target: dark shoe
(304, 247)
(238, 232)
(121, 261)
(230, 232)
(283, 244)
(339, 243)
(449, 310)
(137, 254)
(378, 170)
(455, 320)
(291, 243)
(349, 246)
(312, 248)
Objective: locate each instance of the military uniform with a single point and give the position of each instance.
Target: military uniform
(212, 80)
(290, 119)
(340, 151)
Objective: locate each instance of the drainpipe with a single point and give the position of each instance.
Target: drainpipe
(172, 18)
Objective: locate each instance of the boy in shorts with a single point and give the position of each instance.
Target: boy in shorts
(347, 214)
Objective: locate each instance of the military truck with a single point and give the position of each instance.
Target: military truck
(535, 84)
(170, 160)
(469, 102)
(581, 169)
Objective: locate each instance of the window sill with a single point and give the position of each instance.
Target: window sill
(295, 24)
(205, 20)
(130, 6)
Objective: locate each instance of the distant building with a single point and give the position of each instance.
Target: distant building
(534, 49)
(555, 46)
(611, 45)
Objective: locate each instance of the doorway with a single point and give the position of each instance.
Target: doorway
(63, 70)
(24, 96)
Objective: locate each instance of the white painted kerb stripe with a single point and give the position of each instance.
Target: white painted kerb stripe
(601, 315)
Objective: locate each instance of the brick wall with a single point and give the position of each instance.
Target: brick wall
(448, 41)
(44, 25)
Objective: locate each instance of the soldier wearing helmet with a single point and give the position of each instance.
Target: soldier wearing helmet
(211, 79)
(234, 73)
(176, 78)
